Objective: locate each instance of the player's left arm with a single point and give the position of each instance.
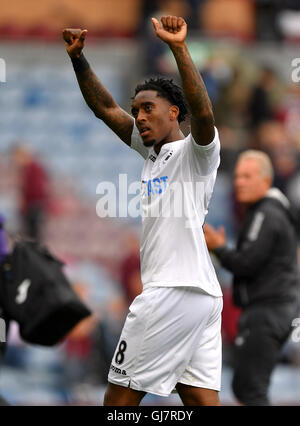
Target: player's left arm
(173, 31)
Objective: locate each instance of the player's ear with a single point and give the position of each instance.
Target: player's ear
(173, 113)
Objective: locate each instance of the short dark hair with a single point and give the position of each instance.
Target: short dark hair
(167, 89)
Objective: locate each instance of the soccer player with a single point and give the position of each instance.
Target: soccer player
(171, 337)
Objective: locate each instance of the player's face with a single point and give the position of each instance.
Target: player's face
(250, 185)
(153, 116)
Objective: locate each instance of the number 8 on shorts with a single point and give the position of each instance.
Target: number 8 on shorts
(119, 358)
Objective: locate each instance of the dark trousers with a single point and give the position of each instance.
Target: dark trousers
(33, 222)
(3, 402)
(262, 331)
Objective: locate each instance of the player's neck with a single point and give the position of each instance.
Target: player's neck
(176, 135)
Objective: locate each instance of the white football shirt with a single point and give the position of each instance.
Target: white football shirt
(177, 185)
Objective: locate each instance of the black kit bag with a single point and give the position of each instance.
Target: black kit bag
(36, 294)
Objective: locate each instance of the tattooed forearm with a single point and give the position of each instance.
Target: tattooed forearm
(94, 93)
(103, 105)
(202, 118)
(193, 86)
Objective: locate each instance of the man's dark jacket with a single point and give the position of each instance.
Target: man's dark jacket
(264, 263)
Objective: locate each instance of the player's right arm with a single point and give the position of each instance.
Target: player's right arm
(95, 94)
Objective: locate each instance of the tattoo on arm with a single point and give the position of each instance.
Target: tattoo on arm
(103, 105)
(202, 118)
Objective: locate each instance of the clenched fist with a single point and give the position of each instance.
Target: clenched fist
(74, 39)
(172, 30)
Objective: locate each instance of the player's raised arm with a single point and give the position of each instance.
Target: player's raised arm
(173, 30)
(95, 94)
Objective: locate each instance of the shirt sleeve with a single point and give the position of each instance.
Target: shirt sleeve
(205, 159)
(137, 143)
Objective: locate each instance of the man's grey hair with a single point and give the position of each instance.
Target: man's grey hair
(262, 158)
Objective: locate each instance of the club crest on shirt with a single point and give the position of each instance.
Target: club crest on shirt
(169, 155)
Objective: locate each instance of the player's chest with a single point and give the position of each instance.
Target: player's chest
(159, 171)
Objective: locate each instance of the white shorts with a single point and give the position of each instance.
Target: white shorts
(171, 335)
